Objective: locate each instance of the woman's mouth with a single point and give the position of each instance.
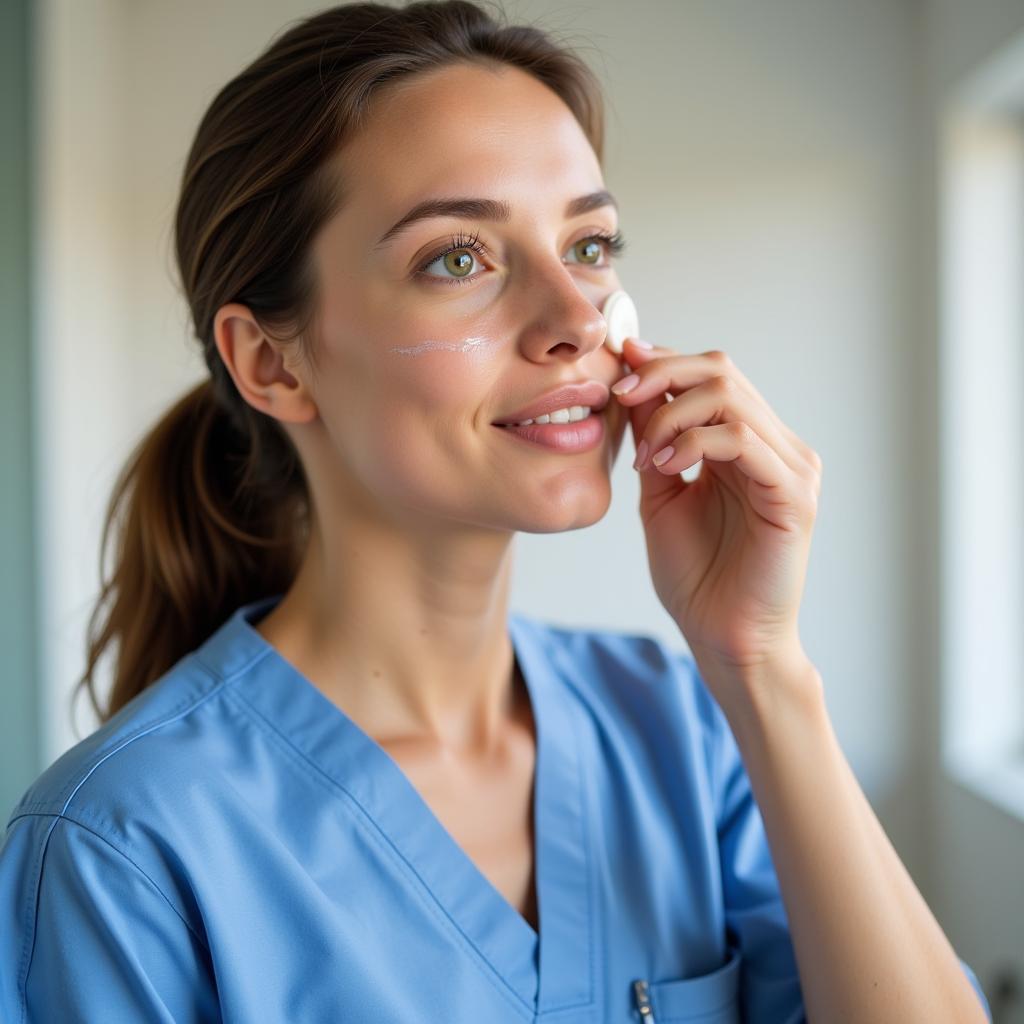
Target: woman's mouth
(570, 437)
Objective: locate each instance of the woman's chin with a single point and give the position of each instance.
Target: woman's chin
(571, 504)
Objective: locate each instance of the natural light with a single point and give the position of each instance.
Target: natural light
(982, 427)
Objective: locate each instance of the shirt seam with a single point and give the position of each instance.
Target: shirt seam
(25, 968)
(557, 656)
(175, 713)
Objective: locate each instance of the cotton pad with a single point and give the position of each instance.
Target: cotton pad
(620, 313)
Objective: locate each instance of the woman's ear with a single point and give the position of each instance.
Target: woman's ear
(257, 366)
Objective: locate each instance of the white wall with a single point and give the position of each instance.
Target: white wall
(83, 283)
(768, 159)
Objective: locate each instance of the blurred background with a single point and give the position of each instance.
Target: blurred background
(832, 191)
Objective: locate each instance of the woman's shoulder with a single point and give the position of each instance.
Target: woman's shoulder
(82, 862)
(161, 744)
(94, 827)
(144, 748)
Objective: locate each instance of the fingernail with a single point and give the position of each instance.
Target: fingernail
(663, 456)
(641, 454)
(641, 344)
(626, 384)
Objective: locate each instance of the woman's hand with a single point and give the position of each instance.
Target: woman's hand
(728, 552)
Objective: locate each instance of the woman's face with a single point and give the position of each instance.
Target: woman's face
(418, 356)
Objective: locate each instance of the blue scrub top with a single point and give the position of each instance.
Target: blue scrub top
(231, 846)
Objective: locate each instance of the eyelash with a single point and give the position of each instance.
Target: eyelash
(614, 243)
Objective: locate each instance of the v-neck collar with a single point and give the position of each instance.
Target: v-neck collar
(549, 970)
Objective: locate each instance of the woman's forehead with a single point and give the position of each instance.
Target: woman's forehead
(466, 131)
(458, 133)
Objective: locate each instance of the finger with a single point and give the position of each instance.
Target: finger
(678, 374)
(654, 487)
(809, 460)
(718, 400)
(640, 416)
(806, 452)
(737, 443)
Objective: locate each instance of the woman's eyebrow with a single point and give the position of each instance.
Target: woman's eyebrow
(486, 209)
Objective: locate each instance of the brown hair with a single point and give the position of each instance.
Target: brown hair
(211, 508)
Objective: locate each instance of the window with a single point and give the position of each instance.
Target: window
(982, 430)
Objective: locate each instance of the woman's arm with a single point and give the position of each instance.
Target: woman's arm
(868, 949)
(728, 556)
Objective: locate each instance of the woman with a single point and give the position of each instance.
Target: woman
(336, 780)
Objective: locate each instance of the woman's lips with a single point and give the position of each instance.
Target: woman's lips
(592, 393)
(567, 438)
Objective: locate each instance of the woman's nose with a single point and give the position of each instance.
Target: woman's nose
(563, 313)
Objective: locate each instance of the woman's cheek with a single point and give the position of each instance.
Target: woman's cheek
(420, 457)
(450, 377)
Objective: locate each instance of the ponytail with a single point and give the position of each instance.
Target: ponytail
(209, 514)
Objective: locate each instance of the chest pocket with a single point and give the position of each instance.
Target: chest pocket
(705, 999)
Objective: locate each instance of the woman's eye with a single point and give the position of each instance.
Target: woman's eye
(458, 259)
(459, 262)
(588, 250)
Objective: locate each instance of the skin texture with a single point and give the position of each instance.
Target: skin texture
(398, 614)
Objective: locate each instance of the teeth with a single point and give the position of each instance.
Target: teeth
(569, 415)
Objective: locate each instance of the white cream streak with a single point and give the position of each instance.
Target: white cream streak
(469, 345)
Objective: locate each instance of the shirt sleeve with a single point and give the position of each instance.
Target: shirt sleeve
(85, 935)
(755, 916)
(754, 912)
